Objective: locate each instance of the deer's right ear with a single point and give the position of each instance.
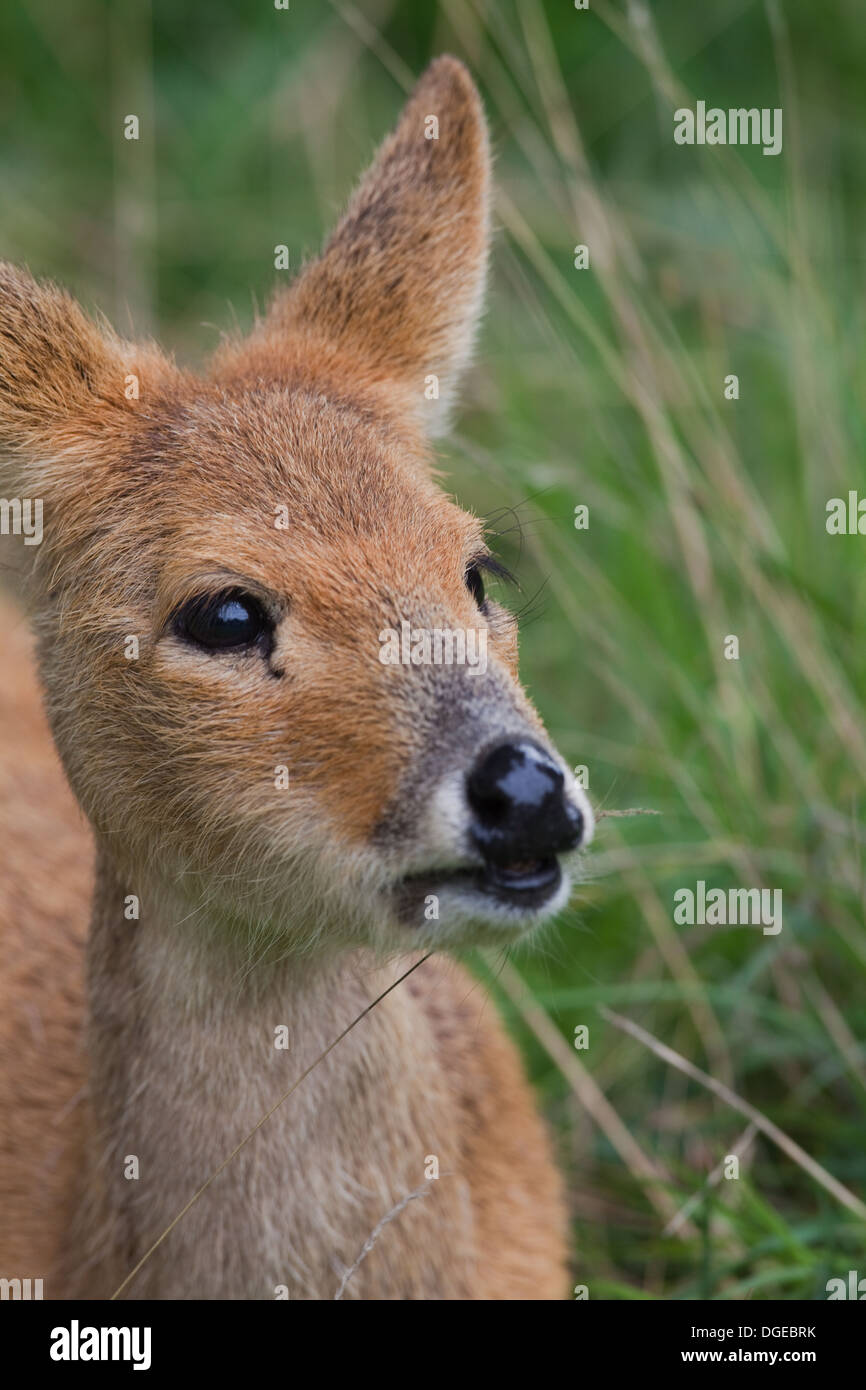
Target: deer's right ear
(62, 378)
(399, 286)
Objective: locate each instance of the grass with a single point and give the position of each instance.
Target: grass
(601, 387)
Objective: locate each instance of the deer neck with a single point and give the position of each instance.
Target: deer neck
(191, 1043)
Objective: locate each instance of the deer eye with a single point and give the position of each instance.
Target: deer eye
(475, 584)
(224, 622)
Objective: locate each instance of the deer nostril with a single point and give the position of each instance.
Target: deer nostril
(517, 796)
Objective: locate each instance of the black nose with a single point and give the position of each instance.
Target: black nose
(520, 811)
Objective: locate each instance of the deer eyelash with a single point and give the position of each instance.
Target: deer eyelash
(492, 565)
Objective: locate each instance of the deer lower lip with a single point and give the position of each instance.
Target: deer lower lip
(527, 885)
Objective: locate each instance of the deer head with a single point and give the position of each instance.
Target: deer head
(243, 575)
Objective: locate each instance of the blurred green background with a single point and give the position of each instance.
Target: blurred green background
(605, 387)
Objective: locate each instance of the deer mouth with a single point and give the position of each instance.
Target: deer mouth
(526, 884)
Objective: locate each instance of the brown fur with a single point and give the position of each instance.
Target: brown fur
(258, 907)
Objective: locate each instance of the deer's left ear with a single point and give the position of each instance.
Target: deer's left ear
(63, 378)
(55, 364)
(400, 283)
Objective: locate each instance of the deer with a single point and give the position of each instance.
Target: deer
(227, 820)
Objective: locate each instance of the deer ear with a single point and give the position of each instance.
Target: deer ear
(400, 283)
(66, 383)
(55, 364)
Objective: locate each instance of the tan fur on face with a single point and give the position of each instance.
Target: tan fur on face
(258, 907)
